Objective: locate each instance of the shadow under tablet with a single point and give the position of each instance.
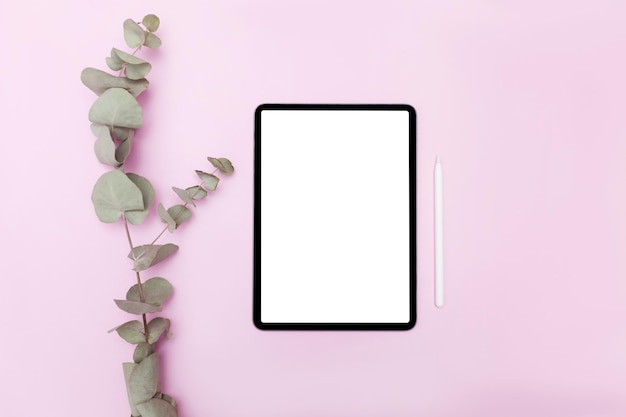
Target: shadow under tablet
(335, 217)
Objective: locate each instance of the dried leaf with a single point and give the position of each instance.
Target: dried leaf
(136, 307)
(157, 407)
(142, 351)
(196, 192)
(210, 181)
(100, 81)
(147, 255)
(131, 331)
(156, 328)
(116, 107)
(133, 34)
(223, 164)
(151, 22)
(144, 380)
(155, 291)
(113, 194)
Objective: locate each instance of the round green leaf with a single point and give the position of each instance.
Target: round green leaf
(114, 63)
(114, 194)
(151, 22)
(184, 195)
(180, 214)
(196, 192)
(166, 218)
(126, 58)
(133, 34)
(116, 107)
(156, 328)
(157, 407)
(147, 255)
(223, 164)
(147, 192)
(128, 370)
(152, 40)
(131, 331)
(136, 307)
(122, 151)
(144, 380)
(122, 133)
(104, 147)
(210, 181)
(155, 291)
(142, 351)
(137, 72)
(100, 81)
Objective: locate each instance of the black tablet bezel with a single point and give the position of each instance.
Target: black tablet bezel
(257, 282)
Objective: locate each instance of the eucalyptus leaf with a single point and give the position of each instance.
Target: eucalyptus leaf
(113, 194)
(126, 58)
(196, 192)
(151, 22)
(170, 400)
(155, 291)
(136, 68)
(128, 368)
(166, 218)
(147, 192)
(157, 407)
(122, 133)
(180, 214)
(104, 147)
(156, 328)
(116, 107)
(133, 34)
(131, 331)
(100, 81)
(114, 63)
(137, 72)
(210, 181)
(147, 255)
(223, 164)
(136, 307)
(122, 151)
(152, 40)
(142, 351)
(184, 195)
(144, 380)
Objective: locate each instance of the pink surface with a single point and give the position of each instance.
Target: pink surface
(523, 101)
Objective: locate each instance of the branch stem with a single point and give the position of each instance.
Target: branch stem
(181, 211)
(142, 298)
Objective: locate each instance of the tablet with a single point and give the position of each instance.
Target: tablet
(334, 217)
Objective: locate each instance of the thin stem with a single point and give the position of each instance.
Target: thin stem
(180, 211)
(142, 298)
(124, 65)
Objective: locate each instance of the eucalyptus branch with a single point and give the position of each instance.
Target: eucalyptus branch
(115, 115)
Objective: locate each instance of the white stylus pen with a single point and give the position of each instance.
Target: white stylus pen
(438, 234)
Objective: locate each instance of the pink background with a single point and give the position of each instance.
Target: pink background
(523, 100)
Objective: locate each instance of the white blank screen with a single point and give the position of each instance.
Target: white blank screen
(335, 224)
